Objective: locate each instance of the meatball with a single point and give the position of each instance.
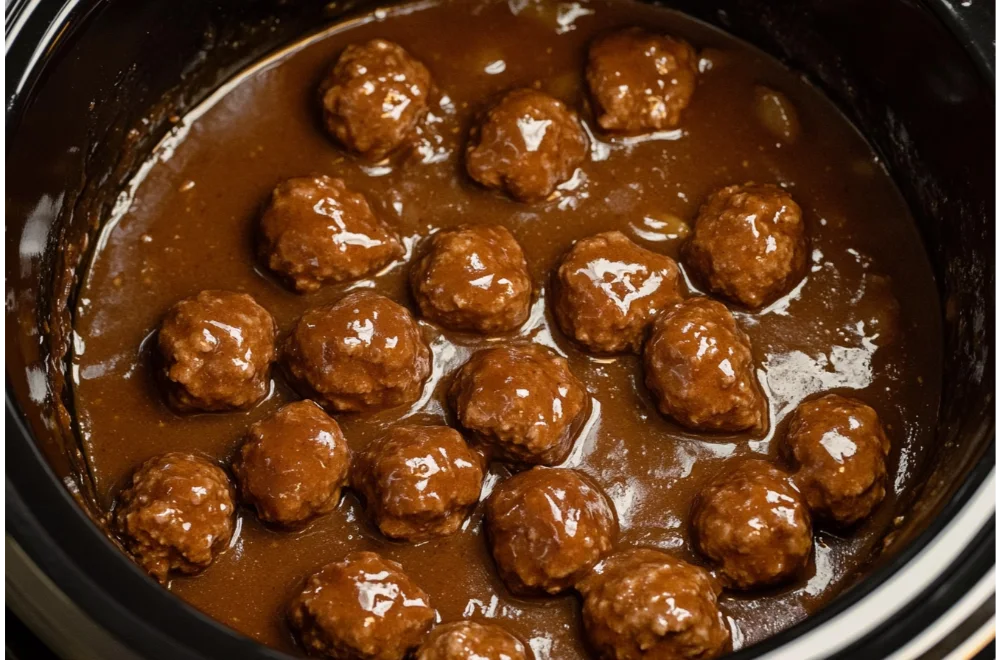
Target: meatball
(639, 81)
(419, 482)
(474, 279)
(526, 144)
(316, 231)
(360, 353)
(520, 402)
(643, 603)
(215, 352)
(176, 514)
(700, 369)
(374, 97)
(471, 640)
(293, 464)
(748, 244)
(361, 608)
(547, 528)
(839, 448)
(608, 290)
(754, 525)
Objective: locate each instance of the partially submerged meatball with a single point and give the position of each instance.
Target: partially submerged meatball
(472, 640)
(360, 353)
(215, 352)
(526, 144)
(838, 447)
(316, 231)
(640, 81)
(700, 370)
(547, 527)
(176, 514)
(748, 244)
(608, 290)
(521, 403)
(419, 482)
(361, 608)
(754, 525)
(374, 97)
(293, 464)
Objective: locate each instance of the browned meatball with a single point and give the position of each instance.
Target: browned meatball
(293, 464)
(839, 448)
(748, 244)
(643, 603)
(215, 351)
(608, 290)
(361, 608)
(526, 144)
(521, 402)
(419, 482)
(640, 81)
(176, 514)
(473, 278)
(754, 524)
(316, 231)
(471, 640)
(374, 97)
(362, 352)
(700, 369)
(547, 528)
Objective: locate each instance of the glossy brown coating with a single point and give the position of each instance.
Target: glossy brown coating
(472, 640)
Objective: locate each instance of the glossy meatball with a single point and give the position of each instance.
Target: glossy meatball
(748, 244)
(374, 97)
(471, 640)
(754, 525)
(316, 231)
(473, 279)
(838, 447)
(700, 370)
(215, 352)
(360, 353)
(643, 603)
(547, 527)
(608, 290)
(176, 514)
(526, 144)
(640, 81)
(419, 482)
(293, 464)
(361, 608)
(521, 403)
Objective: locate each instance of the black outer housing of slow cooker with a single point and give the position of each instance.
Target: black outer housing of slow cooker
(49, 525)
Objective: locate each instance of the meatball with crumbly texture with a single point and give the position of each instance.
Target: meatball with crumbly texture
(362, 352)
(472, 640)
(176, 514)
(838, 447)
(361, 608)
(608, 290)
(754, 525)
(748, 244)
(526, 144)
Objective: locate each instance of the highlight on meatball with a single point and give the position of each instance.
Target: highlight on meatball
(360, 353)
(547, 527)
(608, 290)
(754, 525)
(700, 369)
(419, 482)
(748, 244)
(374, 97)
(837, 447)
(215, 352)
(526, 144)
(176, 514)
(361, 608)
(316, 231)
(472, 640)
(292, 464)
(521, 402)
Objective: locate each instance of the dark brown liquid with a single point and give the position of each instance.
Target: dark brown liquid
(191, 223)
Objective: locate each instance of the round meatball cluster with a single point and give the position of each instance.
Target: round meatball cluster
(469, 640)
